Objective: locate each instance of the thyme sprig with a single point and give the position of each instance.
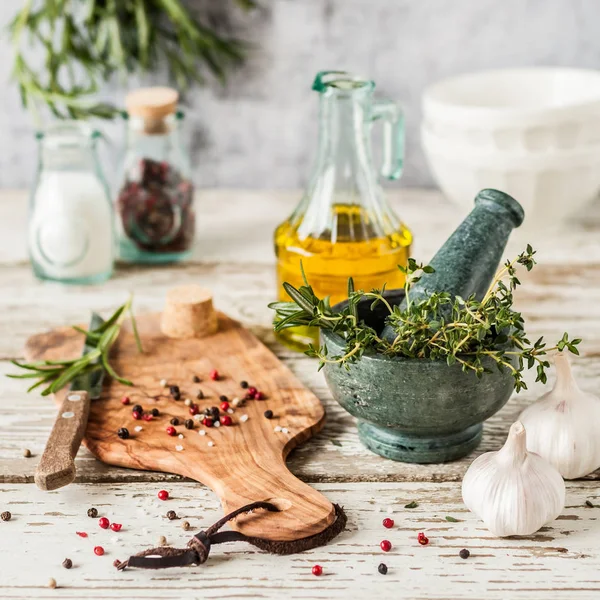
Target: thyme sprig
(56, 374)
(476, 334)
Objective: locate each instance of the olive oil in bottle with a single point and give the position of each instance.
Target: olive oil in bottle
(343, 227)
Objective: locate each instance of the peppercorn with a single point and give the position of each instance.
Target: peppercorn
(194, 410)
(147, 417)
(189, 424)
(464, 554)
(137, 408)
(67, 563)
(317, 570)
(27, 453)
(268, 414)
(225, 406)
(172, 515)
(92, 512)
(214, 411)
(185, 525)
(226, 420)
(6, 516)
(155, 412)
(162, 540)
(385, 545)
(243, 384)
(223, 398)
(163, 495)
(174, 421)
(196, 379)
(125, 400)
(388, 523)
(251, 391)
(123, 433)
(207, 422)
(422, 539)
(259, 396)
(116, 526)
(52, 583)
(174, 390)
(200, 395)
(98, 550)
(103, 522)
(214, 375)
(171, 431)
(382, 568)
(136, 415)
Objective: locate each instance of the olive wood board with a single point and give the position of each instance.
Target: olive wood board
(247, 461)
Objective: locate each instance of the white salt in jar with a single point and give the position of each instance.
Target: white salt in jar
(71, 234)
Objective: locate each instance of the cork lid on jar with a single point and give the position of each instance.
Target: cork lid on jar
(152, 104)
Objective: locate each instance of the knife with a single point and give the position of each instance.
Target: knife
(57, 465)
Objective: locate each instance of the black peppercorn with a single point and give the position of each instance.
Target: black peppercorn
(214, 411)
(174, 389)
(382, 568)
(137, 408)
(196, 379)
(92, 512)
(5, 516)
(123, 433)
(243, 384)
(67, 563)
(171, 515)
(155, 412)
(200, 395)
(223, 398)
(464, 553)
(189, 424)
(174, 421)
(268, 414)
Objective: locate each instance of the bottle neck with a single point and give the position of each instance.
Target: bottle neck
(153, 137)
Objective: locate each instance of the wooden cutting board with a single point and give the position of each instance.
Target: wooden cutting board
(247, 461)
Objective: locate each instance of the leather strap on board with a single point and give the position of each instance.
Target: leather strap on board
(198, 547)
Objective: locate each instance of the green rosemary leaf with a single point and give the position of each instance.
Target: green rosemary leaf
(336, 443)
(452, 520)
(298, 298)
(112, 372)
(412, 504)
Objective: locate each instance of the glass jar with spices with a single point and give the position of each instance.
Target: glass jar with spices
(155, 195)
(70, 230)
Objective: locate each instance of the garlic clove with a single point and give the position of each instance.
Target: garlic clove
(563, 426)
(513, 491)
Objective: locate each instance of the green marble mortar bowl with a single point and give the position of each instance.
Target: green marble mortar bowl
(413, 410)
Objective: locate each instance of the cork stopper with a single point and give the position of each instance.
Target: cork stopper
(152, 104)
(188, 313)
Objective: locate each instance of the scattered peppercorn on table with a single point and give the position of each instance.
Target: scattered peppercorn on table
(408, 535)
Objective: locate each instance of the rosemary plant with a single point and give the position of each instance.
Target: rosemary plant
(440, 327)
(85, 42)
(56, 374)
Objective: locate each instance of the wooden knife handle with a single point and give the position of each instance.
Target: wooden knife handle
(57, 465)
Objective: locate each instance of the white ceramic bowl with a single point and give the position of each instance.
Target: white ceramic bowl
(550, 186)
(530, 110)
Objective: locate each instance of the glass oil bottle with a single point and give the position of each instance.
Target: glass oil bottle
(343, 226)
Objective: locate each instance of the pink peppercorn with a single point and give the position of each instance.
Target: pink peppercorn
(226, 420)
(103, 522)
(317, 570)
(214, 375)
(171, 430)
(98, 550)
(163, 495)
(385, 545)
(388, 523)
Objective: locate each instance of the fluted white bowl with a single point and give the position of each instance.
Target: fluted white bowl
(550, 186)
(528, 111)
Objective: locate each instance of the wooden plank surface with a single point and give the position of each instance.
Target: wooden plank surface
(561, 561)
(234, 258)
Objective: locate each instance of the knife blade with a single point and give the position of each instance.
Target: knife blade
(57, 465)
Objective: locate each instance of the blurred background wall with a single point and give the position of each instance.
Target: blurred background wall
(259, 131)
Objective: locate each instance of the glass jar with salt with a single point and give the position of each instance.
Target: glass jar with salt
(70, 232)
(155, 195)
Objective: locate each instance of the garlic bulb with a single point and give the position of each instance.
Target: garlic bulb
(513, 491)
(563, 426)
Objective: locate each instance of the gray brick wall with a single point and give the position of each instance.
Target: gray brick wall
(260, 131)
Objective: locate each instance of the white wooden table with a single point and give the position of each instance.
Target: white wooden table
(234, 258)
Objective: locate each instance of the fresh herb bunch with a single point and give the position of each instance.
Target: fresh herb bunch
(56, 374)
(439, 327)
(87, 41)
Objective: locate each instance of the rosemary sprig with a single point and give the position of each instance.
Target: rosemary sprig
(469, 332)
(85, 42)
(56, 374)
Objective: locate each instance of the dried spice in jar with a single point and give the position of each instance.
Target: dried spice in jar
(155, 198)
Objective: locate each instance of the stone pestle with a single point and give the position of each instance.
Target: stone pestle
(467, 262)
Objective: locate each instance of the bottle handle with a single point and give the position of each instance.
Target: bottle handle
(393, 137)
